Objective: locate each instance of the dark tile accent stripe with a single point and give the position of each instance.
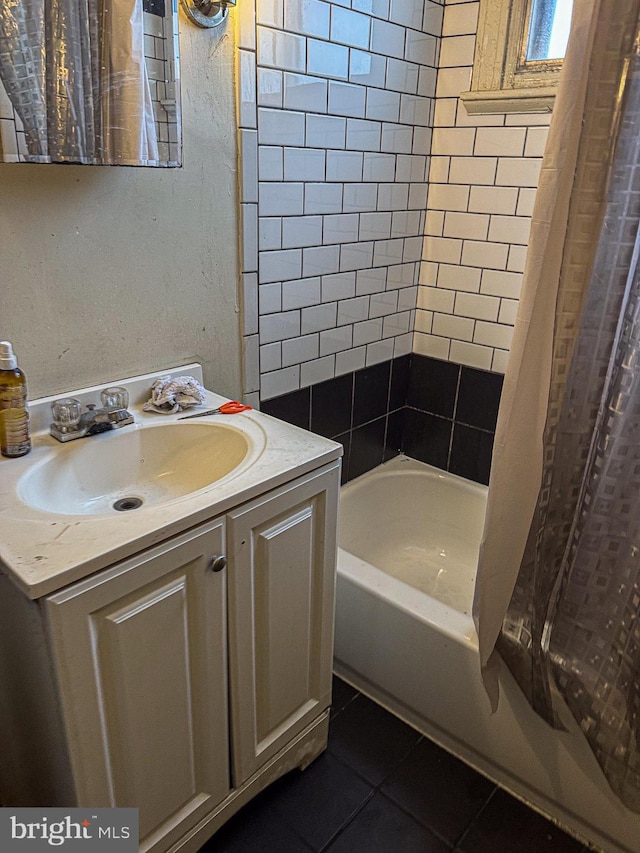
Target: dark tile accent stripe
(332, 405)
(470, 454)
(433, 386)
(451, 416)
(395, 433)
(367, 447)
(371, 393)
(478, 398)
(435, 411)
(294, 408)
(400, 369)
(427, 438)
(364, 411)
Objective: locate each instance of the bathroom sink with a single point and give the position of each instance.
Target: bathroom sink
(133, 467)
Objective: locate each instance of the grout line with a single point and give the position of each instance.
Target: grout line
(420, 822)
(455, 408)
(351, 817)
(466, 830)
(377, 789)
(353, 401)
(446, 418)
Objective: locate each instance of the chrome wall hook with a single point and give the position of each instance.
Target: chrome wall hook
(206, 13)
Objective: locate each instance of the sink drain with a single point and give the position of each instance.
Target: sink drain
(125, 504)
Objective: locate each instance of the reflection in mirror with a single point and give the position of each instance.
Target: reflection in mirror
(93, 82)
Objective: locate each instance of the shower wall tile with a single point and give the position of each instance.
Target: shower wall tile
(246, 18)
(433, 386)
(270, 298)
(280, 381)
(435, 411)
(336, 105)
(249, 225)
(451, 416)
(317, 371)
(343, 95)
(473, 355)
(363, 409)
(427, 438)
(371, 393)
(295, 408)
(331, 406)
(478, 398)
(483, 175)
(382, 351)
(470, 454)
(351, 360)
(367, 447)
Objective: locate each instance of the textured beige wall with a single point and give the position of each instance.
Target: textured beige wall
(110, 272)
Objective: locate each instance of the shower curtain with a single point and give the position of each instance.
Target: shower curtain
(558, 591)
(75, 73)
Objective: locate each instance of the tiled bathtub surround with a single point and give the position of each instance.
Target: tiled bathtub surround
(363, 410)
(434, 411)
(336, 107)
(451, 414)
(482, 182)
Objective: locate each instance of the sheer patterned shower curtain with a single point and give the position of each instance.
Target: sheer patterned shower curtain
(558, 592)
(75, 73)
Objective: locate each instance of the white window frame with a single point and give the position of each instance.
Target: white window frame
(501, 81)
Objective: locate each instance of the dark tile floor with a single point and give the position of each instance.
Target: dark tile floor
(383, 788)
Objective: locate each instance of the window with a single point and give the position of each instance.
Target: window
(519, 51)
(548, 28)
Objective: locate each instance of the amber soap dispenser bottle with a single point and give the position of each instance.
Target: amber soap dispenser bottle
(14, 412)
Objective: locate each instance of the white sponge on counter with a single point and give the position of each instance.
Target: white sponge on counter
(173, 395)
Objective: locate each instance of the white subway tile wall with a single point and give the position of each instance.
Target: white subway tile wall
(336, 101)
(482, 180)
(378, 216)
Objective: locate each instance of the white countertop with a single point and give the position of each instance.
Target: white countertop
(43, 551)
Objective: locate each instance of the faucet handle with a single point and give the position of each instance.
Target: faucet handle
(115, 398)
(66, 413)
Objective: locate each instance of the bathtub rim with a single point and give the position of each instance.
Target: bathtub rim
(457, 625)
(454, 624)
(410, 464)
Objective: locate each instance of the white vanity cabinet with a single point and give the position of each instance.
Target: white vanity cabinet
(281, 608)
(140, 652)
(186, 686)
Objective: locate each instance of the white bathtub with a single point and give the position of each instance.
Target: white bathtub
(409, 537)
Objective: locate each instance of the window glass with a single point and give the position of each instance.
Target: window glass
(549, 25)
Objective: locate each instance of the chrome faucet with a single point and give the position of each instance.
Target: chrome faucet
(70, 422)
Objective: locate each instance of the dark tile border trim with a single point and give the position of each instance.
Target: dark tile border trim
(435, 411)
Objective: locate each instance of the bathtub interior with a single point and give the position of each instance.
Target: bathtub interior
(417, 524)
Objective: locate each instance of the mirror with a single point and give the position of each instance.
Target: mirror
(93, 82)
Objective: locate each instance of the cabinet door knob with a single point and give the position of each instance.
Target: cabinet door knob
(217, 564)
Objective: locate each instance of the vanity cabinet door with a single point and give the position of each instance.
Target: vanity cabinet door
(282, 558)
(140, 651)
